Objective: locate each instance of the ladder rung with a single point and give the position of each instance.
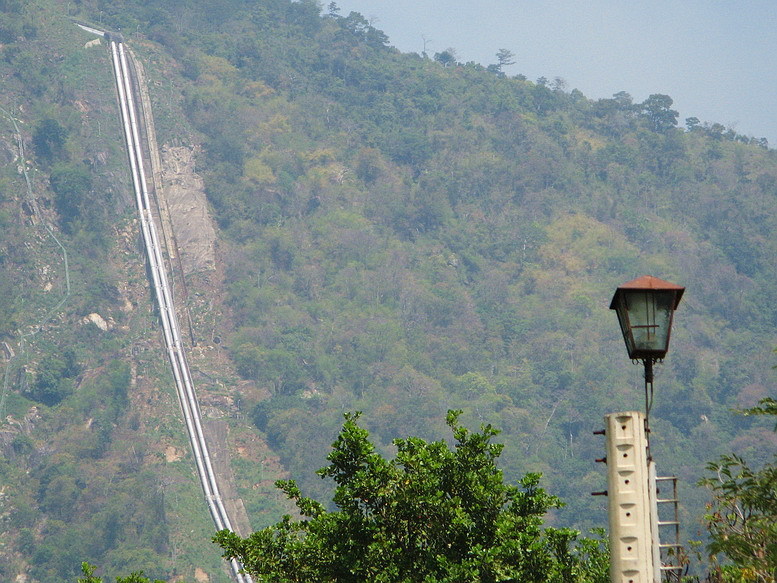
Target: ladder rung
(660, 500)
(669, 523)
(671, 568)
(670, 545)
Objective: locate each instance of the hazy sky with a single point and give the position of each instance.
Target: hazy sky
(716, 58)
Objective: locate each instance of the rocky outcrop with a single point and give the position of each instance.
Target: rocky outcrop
(184, 195)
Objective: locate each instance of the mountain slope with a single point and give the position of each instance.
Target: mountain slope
(396, 235)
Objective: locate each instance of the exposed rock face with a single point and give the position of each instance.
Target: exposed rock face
(184, 193)
(98, 321)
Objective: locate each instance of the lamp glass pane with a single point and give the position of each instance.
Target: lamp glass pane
(650, 316)
(623, 320)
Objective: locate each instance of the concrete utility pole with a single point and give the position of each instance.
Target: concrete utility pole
(628, 490)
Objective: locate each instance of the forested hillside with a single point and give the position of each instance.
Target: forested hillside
(399, 234)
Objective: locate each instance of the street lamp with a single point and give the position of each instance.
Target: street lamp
(645, 307)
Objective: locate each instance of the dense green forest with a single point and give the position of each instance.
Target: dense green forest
(399, 234)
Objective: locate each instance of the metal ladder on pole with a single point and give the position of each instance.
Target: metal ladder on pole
(668, 523)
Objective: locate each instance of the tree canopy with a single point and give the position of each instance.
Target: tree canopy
(742, 515)
(433, 513)
(89, 577)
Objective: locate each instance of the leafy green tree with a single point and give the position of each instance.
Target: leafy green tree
(276, 366)
(333, 9)
(434, 513)
(658, 109)
(446, 58)
(742, 516)
(505, 58)
(49, 140)
(54, 380)
(89, 577)
(71, 184)
(692, 123)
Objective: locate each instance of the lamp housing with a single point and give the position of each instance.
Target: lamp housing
(645, 308)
